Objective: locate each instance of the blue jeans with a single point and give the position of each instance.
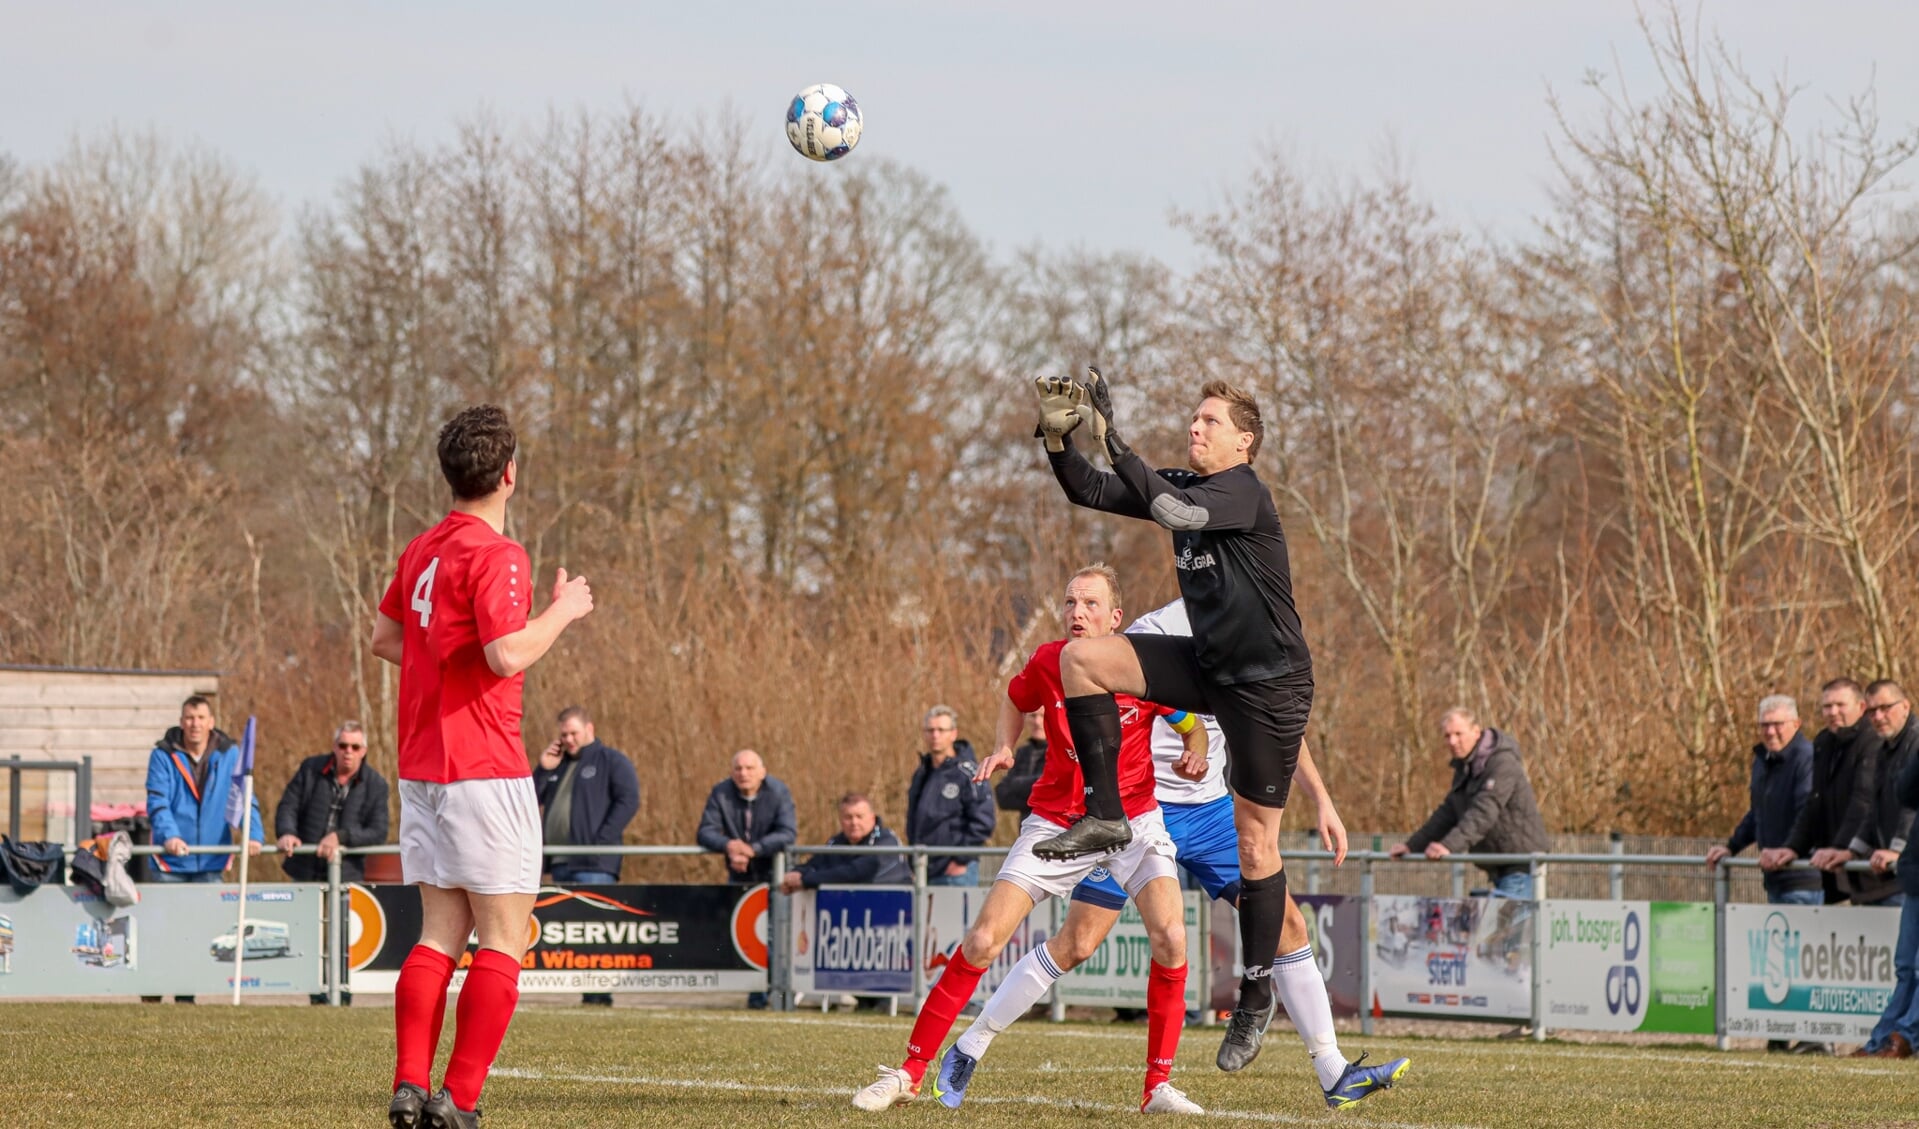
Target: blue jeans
(1517, 884)
(967, 877)
(1902, 1010)
(1797, 897)
(566, 877)
(585, 878)
(203, 876)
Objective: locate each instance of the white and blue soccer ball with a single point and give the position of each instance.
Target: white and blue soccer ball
(823, 122)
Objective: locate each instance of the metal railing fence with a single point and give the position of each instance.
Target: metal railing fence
(1370, 866)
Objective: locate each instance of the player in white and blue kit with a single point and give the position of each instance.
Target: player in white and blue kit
(1199, 813)
(1198, 810)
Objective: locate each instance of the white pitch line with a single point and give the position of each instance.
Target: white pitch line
(729, 1086)
(1425, 1046)
(1652, 1057)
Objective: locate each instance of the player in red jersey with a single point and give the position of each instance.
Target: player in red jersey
(1144, 868)
(456, 622)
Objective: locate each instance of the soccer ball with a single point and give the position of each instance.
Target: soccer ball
(823, 122)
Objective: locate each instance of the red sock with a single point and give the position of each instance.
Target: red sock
(487, 1000)
(419, 1007)
(1165, 1016)
(937, 1014)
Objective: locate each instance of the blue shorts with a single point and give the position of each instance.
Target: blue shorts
(1205, 844)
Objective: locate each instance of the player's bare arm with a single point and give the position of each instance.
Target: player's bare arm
(1332, 832)
(389, 638)
(510, 654)
(1191, 764)
(1006, 730)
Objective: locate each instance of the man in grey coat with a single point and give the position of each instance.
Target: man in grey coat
(1489, 809)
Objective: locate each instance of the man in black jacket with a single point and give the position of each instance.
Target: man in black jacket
(1884, 823)
(588, 794)
(1876, 821)
(1835, 759)
(334, 800)
(859, 826)
(945, 807)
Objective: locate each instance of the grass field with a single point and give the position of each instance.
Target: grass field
(127, 1065)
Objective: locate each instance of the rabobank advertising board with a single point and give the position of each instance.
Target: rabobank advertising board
(863, 940)
(1808, 972)
(1627, 966)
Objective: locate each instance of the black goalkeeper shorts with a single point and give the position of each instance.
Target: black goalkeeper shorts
(1263, 722)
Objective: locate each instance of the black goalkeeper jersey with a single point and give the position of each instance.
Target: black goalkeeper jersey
(1228, 548)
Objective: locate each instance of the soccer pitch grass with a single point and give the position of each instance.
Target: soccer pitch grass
(76, 1065)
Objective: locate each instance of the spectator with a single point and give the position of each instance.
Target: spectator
(1835, 757)
(1028, 761)
(1780, 788)
(859, 826)
(588, 794)
(1874, 829)
(1898, 1027)
(1879, 829)
(334, 800)
(749, 818)
(1489, 808)
(944, 806)
(189, 774)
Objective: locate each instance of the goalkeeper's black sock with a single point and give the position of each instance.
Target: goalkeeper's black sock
(1093, 720)
(1262, 915)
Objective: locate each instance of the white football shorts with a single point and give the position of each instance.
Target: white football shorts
(1148, 856)
(482, 836)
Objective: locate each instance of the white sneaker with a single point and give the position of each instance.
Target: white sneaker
(1166, 1099)
(893, 1087)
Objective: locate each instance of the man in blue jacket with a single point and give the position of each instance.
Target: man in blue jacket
(1780, 787)
(189, 774)
(749, 818)
(588, 794)
(859, 826)
(944, 806)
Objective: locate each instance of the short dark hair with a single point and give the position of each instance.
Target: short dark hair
(852, 798)
(1879, 684)
(1842, 684)
(574, 713)
(475, 447)
(1243, 409)
(196, 700)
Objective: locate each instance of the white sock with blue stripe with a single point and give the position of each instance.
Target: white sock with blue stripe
(1025, 986)
(1302, 992)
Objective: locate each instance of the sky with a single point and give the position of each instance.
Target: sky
(1066, 123)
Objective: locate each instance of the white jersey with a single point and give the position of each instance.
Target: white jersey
(1169, 786)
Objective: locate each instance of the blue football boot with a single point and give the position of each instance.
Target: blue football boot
(956, 1070)
(1360, 1080)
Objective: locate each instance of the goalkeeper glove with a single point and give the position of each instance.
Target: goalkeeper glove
(1062, 407)
(1098, 397)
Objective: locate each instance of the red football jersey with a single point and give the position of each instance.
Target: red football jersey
(459, 587)
(1060, 792)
